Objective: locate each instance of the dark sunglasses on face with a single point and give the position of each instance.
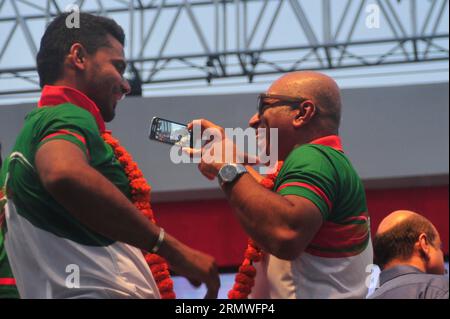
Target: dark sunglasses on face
(281, 100)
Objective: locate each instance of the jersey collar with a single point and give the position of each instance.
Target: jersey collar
(54, 95)
(333, 141)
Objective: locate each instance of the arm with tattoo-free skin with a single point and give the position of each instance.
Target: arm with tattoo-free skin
(282, 225)
(100, 206)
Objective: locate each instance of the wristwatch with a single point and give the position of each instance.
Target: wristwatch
(230, 172)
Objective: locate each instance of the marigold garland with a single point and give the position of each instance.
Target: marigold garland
(245, 278)
(140, 196)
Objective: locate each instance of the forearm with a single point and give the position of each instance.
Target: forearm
(253, 173)
(264, 215)
(100, 206)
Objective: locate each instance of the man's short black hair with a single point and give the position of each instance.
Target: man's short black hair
(398, 241)
(58, 39)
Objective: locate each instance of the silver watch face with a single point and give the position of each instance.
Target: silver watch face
(228, 173)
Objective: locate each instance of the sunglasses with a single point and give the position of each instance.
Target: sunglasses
(282, 100)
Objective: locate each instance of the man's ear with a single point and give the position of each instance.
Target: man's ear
(304, 113)
(77, 56)
(423, 245)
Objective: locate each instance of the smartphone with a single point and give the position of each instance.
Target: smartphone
(170, 132)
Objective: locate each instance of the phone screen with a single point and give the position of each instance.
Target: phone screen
(170, 132)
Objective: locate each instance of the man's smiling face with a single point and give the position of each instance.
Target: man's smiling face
(105, 84)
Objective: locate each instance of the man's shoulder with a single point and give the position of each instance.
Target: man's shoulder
(311, 158)
(65, 109)
(306, 153)
(52, 121)
(424, 278)
(63, 113)
(414, 286)
(438, 281)
(308, 148)
(316, 151)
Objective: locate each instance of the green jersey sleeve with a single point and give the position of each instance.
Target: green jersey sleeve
(307, 172)
(70, 123)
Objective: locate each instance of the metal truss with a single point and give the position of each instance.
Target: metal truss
(181, 40)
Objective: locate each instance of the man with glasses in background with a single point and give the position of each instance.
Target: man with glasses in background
(314, 224)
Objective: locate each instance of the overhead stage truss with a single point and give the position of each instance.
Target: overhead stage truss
(181, 40)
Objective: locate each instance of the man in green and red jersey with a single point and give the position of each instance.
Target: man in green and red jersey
(8, 287)
(72, 230)
(314, 225)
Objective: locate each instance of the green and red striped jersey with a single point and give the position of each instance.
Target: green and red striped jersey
(8, 289)
(334, 263)
(43, 240)
(321, 172)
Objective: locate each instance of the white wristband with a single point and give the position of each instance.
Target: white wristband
(159, 242)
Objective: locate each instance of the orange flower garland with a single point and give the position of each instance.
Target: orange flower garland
(245, 278)
(140, 196)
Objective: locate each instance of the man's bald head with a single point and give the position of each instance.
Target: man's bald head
(317, 87)
(397, 235)
(398, 218)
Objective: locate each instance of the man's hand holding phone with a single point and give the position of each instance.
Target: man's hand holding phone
(218, 150)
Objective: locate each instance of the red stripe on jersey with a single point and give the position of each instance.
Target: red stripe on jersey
(7, 281)
(313, 188)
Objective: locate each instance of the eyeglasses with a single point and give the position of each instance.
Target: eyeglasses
(282, 100)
